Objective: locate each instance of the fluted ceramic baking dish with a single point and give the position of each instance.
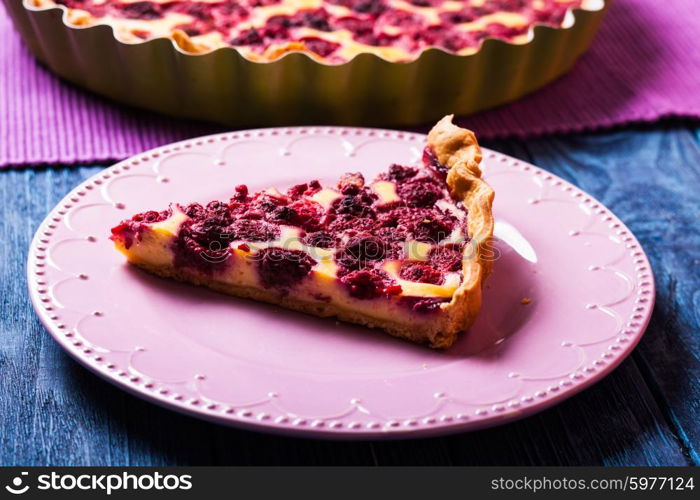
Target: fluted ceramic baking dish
(222, 86)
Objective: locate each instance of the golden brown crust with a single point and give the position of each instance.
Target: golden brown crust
(458, 149)
(186, 44)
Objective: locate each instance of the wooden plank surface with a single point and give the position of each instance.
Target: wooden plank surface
(52, 411)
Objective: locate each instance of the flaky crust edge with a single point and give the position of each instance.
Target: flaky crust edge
(458, 149)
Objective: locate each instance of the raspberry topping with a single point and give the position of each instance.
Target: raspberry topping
(320, 239)
(412, 27)
(399, 173)
(421, 192)
(142, 10)
(152, 216)
(253, 230)
(319, 46)
(359, 251)
(369, 284)
(446, 258)
(305, 189)
(203, 240)
(308, 18)
(430, 225)
(351, 184)
(421, 273)
(278, 267)
(363, 232)
(202, 246)
(130, 230)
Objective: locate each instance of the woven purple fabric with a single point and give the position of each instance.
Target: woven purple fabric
(643, 65)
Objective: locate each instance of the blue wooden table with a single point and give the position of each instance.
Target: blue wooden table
(52, 411)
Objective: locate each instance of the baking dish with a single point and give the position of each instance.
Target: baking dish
(224, 87)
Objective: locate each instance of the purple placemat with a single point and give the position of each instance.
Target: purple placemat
(643, 65)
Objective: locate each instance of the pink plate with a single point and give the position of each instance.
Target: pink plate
(569, 298)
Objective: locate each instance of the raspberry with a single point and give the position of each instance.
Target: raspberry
(141, 10)
(322, 47)
(367, 284)
(305, 189)
(195, 211)
(212, 228)
(400, 18)
(282, 268)
(263, 3)
(356, 253)
(554, 16)
(348, 223)
(319, 239)
(152, 216)
(241, 193)
(197, 10)
(421, 273)
(268, 203)
(283, 214)
(308, 18)
(455, 40)
(316, 19)
(431, 230)
(399, 173)
(301, 213)
(248, 37)
(202, 245)
(359, 205)
(367, 6)
(251, 214)
(308, 215)
(253, 230)
(507, 5)
(220, 209)
(419, 193)
(393, 239)
(378, 40)
(124, 232)
(350, 184)
(357, 26)
(279, 21)
(428, 225)
(445, 258)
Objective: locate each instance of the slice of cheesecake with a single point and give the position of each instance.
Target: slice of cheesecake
(406, 253)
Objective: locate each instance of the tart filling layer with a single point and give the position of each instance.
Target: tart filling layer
(333, 31)
(399, 253)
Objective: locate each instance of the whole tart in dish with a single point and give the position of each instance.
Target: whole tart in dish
(407, 253)
(331, 31)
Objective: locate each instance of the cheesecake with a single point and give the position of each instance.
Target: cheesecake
(406, 252)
